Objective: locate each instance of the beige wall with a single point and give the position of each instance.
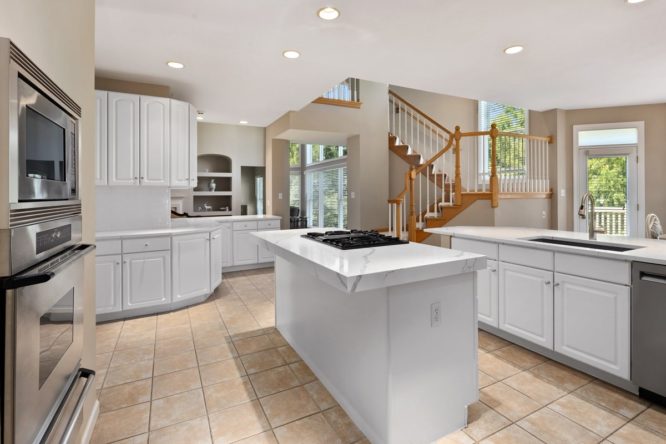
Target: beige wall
(365, 131)
(59, 36)
(125, 86)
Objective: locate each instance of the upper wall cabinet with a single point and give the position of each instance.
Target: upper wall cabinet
(147, 141)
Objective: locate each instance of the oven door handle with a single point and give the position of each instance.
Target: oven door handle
(71, 424)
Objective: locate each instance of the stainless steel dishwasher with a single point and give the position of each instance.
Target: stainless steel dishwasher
(648, 328)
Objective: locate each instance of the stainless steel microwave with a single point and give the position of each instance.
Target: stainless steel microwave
(47, 139)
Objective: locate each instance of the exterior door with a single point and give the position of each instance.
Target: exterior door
(123, 139)
(526, 303)
(154, 146)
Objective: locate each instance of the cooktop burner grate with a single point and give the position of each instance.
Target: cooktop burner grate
(350, 240)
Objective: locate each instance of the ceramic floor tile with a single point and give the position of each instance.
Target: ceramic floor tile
(261, 438)
(490, 342)
(128, 373)
(134, 421)
(320, 395)
(274, 380)
(560, 376)
(519, 357)
(289, 354)
(253, 344)
(194, 431)
(511, 435)
(508, 402)
(537, 389)
(103, 360)
(551, 427)
(263, 360)
(228, 394)
(485, 380)
(600, 421)
(137, 439)
(288, 406)
(496, 368)
(653, 419)
(176, 382)
(174, 363)
(482, 421)
(125, 395)
(170, 347)
(221, 371)
(458, 437)
(217, 353)
(236, 423)
(343, 425)
(635, 434)
(612, 398)
(302, 372)
(210, 339)
(177, 408)
(311, 430)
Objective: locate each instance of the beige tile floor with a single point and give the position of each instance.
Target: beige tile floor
(219, 372)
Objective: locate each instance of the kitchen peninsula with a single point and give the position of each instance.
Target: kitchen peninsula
(390, 331)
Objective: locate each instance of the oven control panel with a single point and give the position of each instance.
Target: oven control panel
(48, 239)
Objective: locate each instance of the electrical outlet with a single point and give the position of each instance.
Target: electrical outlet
(353, 195)
(280, 196)
(563, 192)
(543, 214)
(435, 314)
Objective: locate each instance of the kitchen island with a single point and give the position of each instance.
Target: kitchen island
(390, 331)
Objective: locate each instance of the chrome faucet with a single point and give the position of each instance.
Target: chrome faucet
(584, 214)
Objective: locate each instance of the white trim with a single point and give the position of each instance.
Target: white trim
(640, 168)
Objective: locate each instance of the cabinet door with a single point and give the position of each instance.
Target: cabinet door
(245, 248)
(526, 303)
(215, 259)
(180, 144)
(265, 255)
(146, 279)
(193, 147)
(154, 146)
(487, 287)
(191, 266)
(101, 152)
(108, 289)
(123, 139)
(227, 245)
(592, 323)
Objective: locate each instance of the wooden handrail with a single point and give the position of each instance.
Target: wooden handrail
(426, 116)
(458, 178)
(432, 160)
(548, 139)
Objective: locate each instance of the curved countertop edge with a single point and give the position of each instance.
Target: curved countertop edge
(651, 250)
(187, 226)
(388, 270)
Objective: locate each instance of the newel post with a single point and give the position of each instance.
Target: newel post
(412, 212)
(458, 179)
(494, 181)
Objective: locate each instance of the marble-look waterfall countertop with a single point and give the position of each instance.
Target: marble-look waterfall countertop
(647, 250)
(368, 268)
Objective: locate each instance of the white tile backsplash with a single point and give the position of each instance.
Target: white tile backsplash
(133, 208)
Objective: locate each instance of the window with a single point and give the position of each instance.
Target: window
(318, 183)
(509, 119)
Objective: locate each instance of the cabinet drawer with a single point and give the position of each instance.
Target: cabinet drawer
(146, 244)
(473, 246)
(526, 256)
(269, 224)
(105, 247)
(246, 225)
(617, 272)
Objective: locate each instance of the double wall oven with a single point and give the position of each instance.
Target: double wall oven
(41, 261)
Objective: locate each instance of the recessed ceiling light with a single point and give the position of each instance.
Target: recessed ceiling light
(328, 13)
(200, 115)
(291, 54)
(175, 65)
(243, 122)
(633, 2)
(511, 50)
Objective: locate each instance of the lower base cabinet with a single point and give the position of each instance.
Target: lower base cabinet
(487, 294)
(109, 281)
(146, 279)
(592, 323)
(526, 303)
(191, 266)
(215, 259)
(245, 247)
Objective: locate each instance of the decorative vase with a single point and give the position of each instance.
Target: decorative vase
(212, 185)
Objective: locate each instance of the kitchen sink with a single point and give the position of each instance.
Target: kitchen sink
(585, 244)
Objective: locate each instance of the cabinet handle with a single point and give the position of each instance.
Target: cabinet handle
(118, 263)
(547, 282)
(494, 270)
(146, 244)
(557, 284)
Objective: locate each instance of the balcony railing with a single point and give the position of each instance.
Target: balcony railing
(346, 93)
(612, 219)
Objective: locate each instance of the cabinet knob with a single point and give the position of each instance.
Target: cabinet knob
(142, 177)
(146, 244)
(494, 270)
(557, 284)
(118, 263)
(548, 282)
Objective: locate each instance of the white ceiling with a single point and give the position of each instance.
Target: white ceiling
(579, 53)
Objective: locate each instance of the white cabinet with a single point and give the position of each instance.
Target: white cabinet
(215, 259)
(245, 247)
(265, 255)
(108, 289)
(193, 147)
(487, 287)
(191, 265)
(227, 240)
(154, 146)
(180, 145)
(123, 139)
(101, 152)
(592, 322)
(146, 279)
(526, 303)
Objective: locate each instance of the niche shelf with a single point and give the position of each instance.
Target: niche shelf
(217, 167)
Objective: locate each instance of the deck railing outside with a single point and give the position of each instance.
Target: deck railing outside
(612, 219)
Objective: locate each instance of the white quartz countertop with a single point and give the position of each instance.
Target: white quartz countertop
(369, 268)
(650, 250)
(182, 225)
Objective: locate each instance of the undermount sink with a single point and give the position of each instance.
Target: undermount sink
(585, 244)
